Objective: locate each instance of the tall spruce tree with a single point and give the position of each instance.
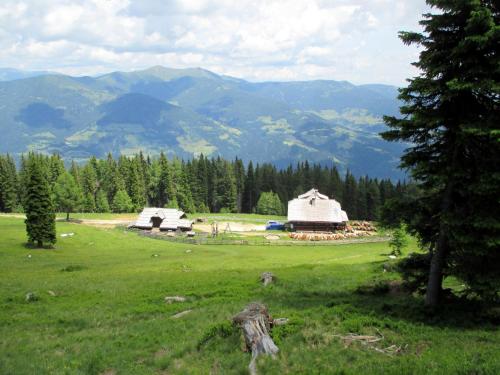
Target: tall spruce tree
(350, 196)
(239, 174)
(67, 194)
(269, 204)
(136, 185)
(40, 217)
(8, 184)
(452, 122)
(249, 193)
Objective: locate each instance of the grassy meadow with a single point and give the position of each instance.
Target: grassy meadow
(100, 309)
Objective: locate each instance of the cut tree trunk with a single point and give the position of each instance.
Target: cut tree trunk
(255, 322)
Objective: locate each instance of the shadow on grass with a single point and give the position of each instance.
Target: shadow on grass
(455, 312)
(33, 246)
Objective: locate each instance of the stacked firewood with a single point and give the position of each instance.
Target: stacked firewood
(361, 226)
(319, 236)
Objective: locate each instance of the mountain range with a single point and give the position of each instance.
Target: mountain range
(185, 112)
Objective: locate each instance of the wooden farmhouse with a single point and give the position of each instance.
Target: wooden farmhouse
(166, 219)
(313, 211)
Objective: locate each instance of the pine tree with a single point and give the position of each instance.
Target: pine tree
(67, 194)
(269, 204)
(55, 169)
(361, 201)
(239, 174)
(350, 196)
(122, 202)
(372, 200)
(8, 184)
(398, 240)
(38, 207)
(249, 194)
(225, 187)
(183, 196)
(101, 202)
(89, 187)
(136, 185)
(201, 181)
(165, 188)
(452, 122)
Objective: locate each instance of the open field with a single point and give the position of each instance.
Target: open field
(101, 309)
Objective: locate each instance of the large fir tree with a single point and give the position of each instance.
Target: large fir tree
(451, 118)
(40, 216)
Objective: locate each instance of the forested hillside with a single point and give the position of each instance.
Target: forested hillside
(202, 184)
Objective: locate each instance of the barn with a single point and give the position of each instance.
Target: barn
(165, 219)
(313, 211)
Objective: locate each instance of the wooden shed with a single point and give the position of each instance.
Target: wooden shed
(313, 211)
(164, 219)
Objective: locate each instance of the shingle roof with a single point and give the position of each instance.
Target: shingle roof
(171, 218)
(315, 207)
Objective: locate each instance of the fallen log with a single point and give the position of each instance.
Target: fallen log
(255, 322)
(267, 278)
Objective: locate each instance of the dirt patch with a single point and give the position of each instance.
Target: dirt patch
(102, 223)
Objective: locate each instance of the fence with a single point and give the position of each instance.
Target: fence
(205, 239)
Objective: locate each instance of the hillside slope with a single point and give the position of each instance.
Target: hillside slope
(190, 111)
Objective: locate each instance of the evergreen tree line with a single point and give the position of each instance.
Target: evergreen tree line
(127, 184)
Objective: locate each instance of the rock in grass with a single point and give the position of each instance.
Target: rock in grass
(172, 299)
(31, 297)
(280, 321)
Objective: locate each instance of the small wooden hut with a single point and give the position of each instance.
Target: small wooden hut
(163, 218)
(313, 211)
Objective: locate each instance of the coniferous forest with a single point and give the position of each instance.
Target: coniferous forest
(127, 184)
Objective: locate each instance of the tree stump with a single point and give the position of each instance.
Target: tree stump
(267, 278)
(255, 322)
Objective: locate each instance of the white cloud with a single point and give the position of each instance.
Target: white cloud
(254, 39)
(63, 19)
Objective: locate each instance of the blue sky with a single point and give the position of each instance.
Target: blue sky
(252, 39)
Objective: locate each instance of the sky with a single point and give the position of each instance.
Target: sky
(257, 40)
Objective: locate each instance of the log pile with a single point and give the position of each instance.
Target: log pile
(352, 230)
(322, 236)
(365, 226)
(255, 323)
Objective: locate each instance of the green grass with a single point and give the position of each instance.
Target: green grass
(245, 218)
(108, 312)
